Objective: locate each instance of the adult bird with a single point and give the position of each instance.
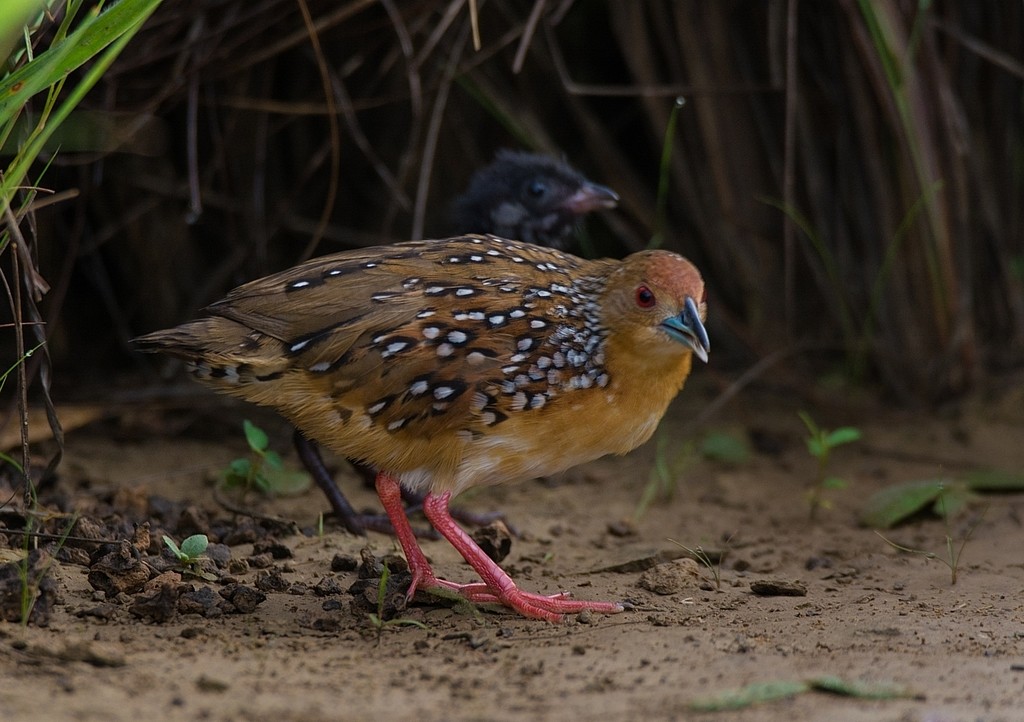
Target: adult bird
(523, 196)
(457, 363)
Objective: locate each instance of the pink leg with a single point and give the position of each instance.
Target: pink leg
(423, 577)
(390, 494)
(497, 585)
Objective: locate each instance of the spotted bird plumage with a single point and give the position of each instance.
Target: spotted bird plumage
(456, 363)
(388, 350)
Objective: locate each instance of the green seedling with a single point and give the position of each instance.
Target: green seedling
(953, 553)
(945, 498)
(670, 464)
(190, 555)
(263, 470)
(377, 620)
(774, 690)
(666, 472)
(941, 497)
(725, 448)
(820, 443)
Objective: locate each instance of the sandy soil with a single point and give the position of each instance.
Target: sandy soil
(871, 614)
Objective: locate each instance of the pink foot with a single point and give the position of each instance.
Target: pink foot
(496, 588)
(537, 606)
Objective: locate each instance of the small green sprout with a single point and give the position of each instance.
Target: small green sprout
(944, 497)
(377, 618)
(190, 553)
(673, 458)
(725, 448)
(263, 470)
(664, 477)
(820, 443)
(953, 553)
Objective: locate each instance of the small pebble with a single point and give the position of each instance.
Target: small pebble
(778, 588)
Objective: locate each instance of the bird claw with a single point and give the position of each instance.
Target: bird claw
(550, 607)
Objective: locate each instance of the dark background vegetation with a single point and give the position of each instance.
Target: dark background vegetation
(848, 175)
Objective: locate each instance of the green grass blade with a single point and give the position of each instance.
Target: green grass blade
(13, 16)
(95, 33)
(664, 168)
(104, 34)
(994, 480)
(287, 482)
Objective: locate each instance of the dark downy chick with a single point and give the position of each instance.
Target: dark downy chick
(529, 197)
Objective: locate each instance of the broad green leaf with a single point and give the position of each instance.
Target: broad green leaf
(262, 483)
(172, 546)
(255, 436)
(861, 690)
(894, 504)
(286, 482)
(994, 480)
(833, 482)
(842, 435)
(14, 14)
(195, 545)
(720, 446)
(237, 473)
(272, 460)
(815, 446)
(953, 501)
(750, 695)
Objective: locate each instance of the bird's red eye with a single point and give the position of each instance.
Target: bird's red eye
(645, 297)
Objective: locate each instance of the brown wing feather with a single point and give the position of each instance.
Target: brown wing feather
(423, 338)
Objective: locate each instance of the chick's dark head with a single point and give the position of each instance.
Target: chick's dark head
(529, 197)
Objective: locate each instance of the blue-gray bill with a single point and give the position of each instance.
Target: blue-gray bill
(687, 328)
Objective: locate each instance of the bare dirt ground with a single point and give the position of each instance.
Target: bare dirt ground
(294, 644)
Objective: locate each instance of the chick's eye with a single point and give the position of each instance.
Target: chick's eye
(537, 188)
(645, 297)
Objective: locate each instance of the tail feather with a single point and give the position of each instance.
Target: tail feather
(218, 350)
(204, 336)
